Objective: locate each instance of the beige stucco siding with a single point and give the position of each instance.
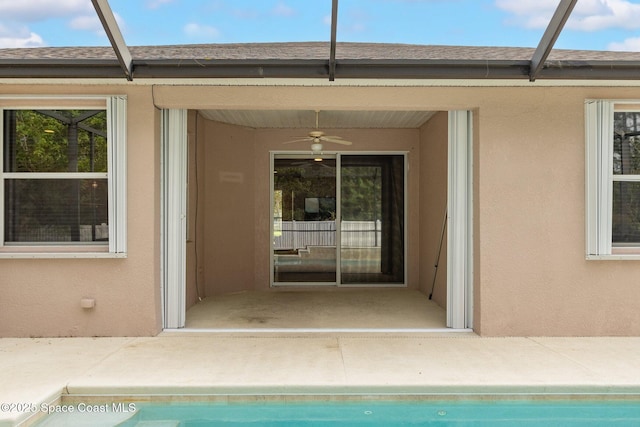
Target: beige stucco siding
(534, 279)
(531, 276)
(433, 202)
(41, 297)
(229, 206)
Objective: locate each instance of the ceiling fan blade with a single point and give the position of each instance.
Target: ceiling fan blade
(336, 140)
(307, 139)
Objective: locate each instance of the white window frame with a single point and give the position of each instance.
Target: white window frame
(116, 109)
(599, 178)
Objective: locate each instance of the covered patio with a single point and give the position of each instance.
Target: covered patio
(321, 310)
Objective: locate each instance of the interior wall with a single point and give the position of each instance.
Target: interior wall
(228, 203)
(236, 187)
(434, 136)
(195, 210)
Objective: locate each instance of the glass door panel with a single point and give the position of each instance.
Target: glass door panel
(372, 219)
(304, 215)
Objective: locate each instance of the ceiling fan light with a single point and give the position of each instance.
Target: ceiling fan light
(316, 148)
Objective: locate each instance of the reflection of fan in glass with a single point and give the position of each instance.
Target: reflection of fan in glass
(317, 137)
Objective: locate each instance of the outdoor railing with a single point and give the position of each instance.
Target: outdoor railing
(294, 235)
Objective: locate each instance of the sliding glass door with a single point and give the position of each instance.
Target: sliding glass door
(372, 225)
(304, 220)
(339, 220)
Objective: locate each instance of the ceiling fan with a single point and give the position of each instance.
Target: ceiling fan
(317, 137)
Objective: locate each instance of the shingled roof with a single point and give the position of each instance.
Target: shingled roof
(310, 59)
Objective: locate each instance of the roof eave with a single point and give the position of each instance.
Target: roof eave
(344, 69)
(48, 68)
(591, 70)
(387, 69)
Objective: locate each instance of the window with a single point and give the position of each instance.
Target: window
(613, 179)
(63, 176)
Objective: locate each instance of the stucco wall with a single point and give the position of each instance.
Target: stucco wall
(228, 214)
(195, 211)
(534, 279)
(237, 208)
(531, 276)
(41, 297)
(433, 202)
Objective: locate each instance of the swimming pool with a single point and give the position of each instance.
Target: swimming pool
(475, 412)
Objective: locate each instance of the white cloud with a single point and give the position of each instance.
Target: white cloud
(593, 15)
(201, 31)
(92, 23)
(33, 40)
(588, 15)
(629, 45)
(19, 15)
(86, 22)
(281, 9)
(38, 10)
(18, 36)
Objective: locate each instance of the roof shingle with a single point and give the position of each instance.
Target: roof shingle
(310, 51)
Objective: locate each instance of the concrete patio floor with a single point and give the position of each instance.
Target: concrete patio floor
(337, 309)
(203, 364)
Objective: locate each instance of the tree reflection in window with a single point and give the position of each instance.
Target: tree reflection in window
(626, 188)
(57, 186)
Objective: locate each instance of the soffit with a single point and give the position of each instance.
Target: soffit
(327, 119)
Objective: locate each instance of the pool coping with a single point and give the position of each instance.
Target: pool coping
(349, 391)
(348, 366)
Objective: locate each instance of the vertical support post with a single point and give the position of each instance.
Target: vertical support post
(334, 31)
(460, 221)
(174, 219)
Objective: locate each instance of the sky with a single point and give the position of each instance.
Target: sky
(594, 24)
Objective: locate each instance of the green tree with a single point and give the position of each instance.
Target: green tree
(54, 141)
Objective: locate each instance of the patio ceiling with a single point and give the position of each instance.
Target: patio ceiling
(327, 119)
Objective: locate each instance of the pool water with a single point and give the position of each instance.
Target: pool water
(373, 413)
